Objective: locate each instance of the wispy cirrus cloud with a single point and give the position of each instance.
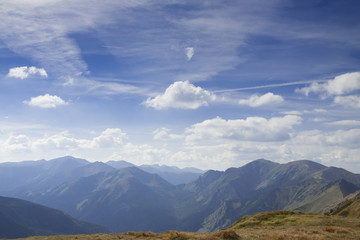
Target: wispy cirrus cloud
(345, 123)
(41, 30)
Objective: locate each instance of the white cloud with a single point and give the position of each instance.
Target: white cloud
(25, 72)
(249, 129)
(109, 138)
(293, 112)
(345, 123)
(349, 138)
(46, 101)
(219, 144)
(348, 101)
(257, 101)
(319, 110)
(17, 143)
(182, 95)
(59, 141)
(335, 148)
(331, 147)
(164, 135)
(189, 51)
(142, 154)
(340, 85)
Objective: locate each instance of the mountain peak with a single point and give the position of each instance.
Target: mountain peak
(119, 164)
(260, 162)
(307, 164)
(69, 159)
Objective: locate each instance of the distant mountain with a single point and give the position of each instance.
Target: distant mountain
(174, 175)
(36, 175)
(119, 164)
(170, 169)
(123, 200)
(143, 199)
(219, 198)
(90, 169)
(19, 218)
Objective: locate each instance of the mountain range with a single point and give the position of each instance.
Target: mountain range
(124, 197)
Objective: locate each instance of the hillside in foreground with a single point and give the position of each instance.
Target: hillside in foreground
(268, 225)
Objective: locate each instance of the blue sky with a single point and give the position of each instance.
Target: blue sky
(207, 84)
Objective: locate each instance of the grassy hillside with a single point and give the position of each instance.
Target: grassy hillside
(268, 225)
(348, 208)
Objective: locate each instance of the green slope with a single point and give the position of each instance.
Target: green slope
(350, 207)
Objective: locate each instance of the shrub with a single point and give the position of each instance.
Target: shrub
(228, 234)
(174, 235)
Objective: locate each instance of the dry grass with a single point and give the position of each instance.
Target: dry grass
(275, 225)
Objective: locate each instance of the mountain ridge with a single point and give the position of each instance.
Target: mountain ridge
(211, 202)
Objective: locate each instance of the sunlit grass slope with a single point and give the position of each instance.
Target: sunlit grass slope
(268, 225)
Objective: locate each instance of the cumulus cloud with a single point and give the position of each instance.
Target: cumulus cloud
(59, 141)
(25, 72)
(181, 94)
(348, 101)
(46, 101)
(189, 51)
(332, 141)
(17, 143)
(164, 134)
(109, 138)
(142, 154)
(249, 129)
(257, 101)
(340, 85)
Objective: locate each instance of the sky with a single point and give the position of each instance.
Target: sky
(206, 84)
